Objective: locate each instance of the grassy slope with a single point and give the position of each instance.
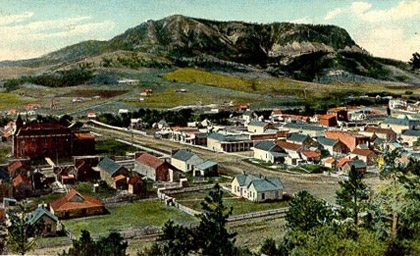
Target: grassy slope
(9, 100)
(126, 216)
(276, 86)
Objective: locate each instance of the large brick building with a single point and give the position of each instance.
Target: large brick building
(50, 140)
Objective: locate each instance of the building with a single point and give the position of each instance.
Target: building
(309, 129)
(155, 169)
(310, 156)
(206, 169)
(350, 139)
(333, 146)
(50, 140)
(259, 126)
(185, 160)
(292, 150)
(49, 221)
(411, 137)
(22, 187)
(257, 189)
(75, 205)
(329, 162)
(249, 115)
(328, 120)
(359, 165)
(136, 185)
(340, 113)
(19, 167)
(269, 151)
(400, 124)
(383, 133)
(114, 174)
(300, 138)
(228, 143)
(366, 155)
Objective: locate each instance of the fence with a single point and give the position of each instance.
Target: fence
(259, 214)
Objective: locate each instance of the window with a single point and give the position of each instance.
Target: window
(22, 142)
(22, 152)
(49, 228)
(262, 196)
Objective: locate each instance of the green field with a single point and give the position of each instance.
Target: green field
(113, 147)
(127, 216)
(240, 205)
(10, 100)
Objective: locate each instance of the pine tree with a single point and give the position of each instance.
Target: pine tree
(353, 196)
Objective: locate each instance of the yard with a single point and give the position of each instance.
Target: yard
(240, 205)
(113, 147)
(128, 216)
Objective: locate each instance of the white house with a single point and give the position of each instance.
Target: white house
(185, 160)
(257, 189)
(269, 152)
(410, 137)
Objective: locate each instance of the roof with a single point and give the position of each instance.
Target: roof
(400, 121)
(362, 152)
(134, 179)
(288, 145)
(83, 135)
(248, 113)
(183, 155)
(21, 179)
(415, 133)
(260, 184)
(207, 164)
(44, 128)
(379, 141)
(38, 213)
(343, 161)
(227, 138)
(298, 137)
(307, 127)
(327, 141)
(310, 154)
(18, 164)
(357, 164)
(265, 145)
(379, 130)
(119, 177)
(327, 117)
(150, 160)
(330, 160)
(74, 200)
(257, 123)
(109, 165)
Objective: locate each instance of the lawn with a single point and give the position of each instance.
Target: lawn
(86, 188)
(240, 205)
(46, 198)
(9, 100)
(113, 147)
(127, 216)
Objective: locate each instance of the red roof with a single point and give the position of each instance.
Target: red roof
(326, 117)
(310, 154)
(19, 179)
(379, 130)
(276, 112)
(41, 129)
(150, 160)
(119, 177)
(362, 152)
(343, 161)
(134, 179)
(288, 145)
(74, 200)
(330, 160)
(18, 164)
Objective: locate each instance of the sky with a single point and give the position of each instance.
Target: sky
(31, 28)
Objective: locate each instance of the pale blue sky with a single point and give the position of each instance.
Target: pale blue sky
(30, 28)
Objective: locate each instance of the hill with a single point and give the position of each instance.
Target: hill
(306, 52)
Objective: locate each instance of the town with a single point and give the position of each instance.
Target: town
(255, 155)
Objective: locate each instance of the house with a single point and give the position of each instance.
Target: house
(309, 129)
(400, 124)
(155, 169)
(67, 175)
(310, 156)
(366, 155)
(185, 160)
(259, 126)
(357, 164)
(384, 133)
(333, 146)
(269, 151)
(83, 144)
(19, 167)
(206, 169)
(329, 162)
(410, 137)
(292, 151)
(228, 143)
(84, 167)
(136, 185)
(340, 113)
(350, 139)
(75, 205)
(22, 187)
(276, 115)
(115, 175)
(91, 115)
(328, 120)
(49, 221)
(300, 138)
(249, 115)
(257, 189)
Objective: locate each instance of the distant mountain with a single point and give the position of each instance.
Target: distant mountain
(306, 52)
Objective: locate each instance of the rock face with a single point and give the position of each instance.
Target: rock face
(301, 51)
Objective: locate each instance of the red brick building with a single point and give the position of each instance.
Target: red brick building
(328, 120)
(50, 140)
(350, 139)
